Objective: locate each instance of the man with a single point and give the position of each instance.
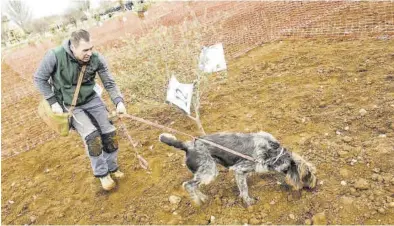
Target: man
(56, 79)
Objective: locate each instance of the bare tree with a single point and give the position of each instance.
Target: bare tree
(77, 11)
(20, 13)
(40, 25)
(4, 29)
(122, 5)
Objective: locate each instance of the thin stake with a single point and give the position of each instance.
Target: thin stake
(143, 163)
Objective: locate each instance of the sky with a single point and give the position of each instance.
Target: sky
(42, 8)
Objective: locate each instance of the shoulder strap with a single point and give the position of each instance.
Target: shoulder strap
(75, 97)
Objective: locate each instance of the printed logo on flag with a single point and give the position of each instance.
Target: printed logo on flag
(180, 94)
(212, 59)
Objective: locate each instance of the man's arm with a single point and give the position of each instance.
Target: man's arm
(108, 81)
(42, 76)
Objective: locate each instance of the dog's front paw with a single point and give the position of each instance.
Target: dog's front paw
(202, 197)
(250, 201)
(196, 201)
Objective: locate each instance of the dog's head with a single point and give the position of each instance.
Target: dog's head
(300, 174)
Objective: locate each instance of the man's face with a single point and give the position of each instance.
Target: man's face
(83, 51)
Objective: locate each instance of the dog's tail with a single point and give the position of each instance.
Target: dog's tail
(171, 140)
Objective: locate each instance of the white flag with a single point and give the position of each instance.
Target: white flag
(212, 59)
(180, 94)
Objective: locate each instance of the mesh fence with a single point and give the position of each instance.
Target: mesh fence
(240, 26)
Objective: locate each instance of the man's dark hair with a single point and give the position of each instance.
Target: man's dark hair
(77, 35)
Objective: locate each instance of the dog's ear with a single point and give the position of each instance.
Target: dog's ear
(309, 178)
(293, 176)
(273, 145)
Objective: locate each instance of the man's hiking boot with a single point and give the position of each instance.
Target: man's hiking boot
(107, 183)
(118, 174)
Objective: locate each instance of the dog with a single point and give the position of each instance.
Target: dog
(267, 152)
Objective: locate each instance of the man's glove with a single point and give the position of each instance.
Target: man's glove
(56, 108)
(120, 108)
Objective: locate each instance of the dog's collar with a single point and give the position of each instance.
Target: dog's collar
(282, 152)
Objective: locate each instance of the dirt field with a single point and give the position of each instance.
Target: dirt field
(329, 100)
(311, 98)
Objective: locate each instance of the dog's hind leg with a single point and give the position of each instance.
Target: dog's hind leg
(205, 174)
(241, 171)
(191, 187)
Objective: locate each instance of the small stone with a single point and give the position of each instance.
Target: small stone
(343, 183)
(167, 208)
(382, 135)
(346, 200)
(386, 178)
(347, 139)
(343, 154)
(344, 173)
(322, 104)
(347, 128)
(308, 222)
(361, 184)
(291, 216)
(320, 219)
(254, 221)
(212, 219)
(377, 192)
(11, 202)
(353, 161)
(272, 202)
(391, 204)
(362, 112)
(174, 199)
(381, 210)
(347, 148)
(33, 219)
(353, 191)
(375, 177)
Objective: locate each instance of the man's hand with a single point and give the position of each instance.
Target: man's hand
(56, 108)
(120, 108)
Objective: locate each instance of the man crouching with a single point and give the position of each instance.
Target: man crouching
(56, 78)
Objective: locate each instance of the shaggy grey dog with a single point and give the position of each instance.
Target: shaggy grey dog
(269, 155)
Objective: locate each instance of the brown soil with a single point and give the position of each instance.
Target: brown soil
(307, 93)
